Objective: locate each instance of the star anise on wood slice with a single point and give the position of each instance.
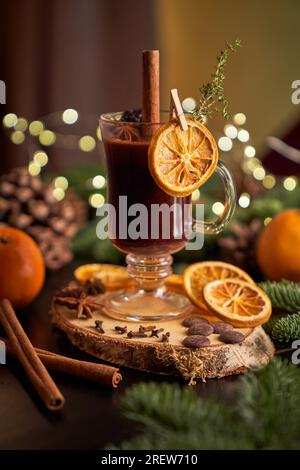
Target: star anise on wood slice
(77, 298)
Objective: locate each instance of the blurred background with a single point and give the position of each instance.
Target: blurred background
(66, 61)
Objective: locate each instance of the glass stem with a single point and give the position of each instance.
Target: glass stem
(150, 272)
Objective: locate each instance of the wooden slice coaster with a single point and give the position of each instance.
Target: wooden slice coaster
(150, 354)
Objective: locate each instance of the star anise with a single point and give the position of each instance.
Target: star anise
(127, 132)
(76, 298)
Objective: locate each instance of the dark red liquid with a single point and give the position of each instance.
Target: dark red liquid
(129, 175)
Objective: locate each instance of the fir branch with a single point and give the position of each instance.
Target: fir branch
(284, 329)
(284, 295)
(266, 414)
(212, 93)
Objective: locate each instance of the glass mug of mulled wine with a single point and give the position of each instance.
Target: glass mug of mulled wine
(147, 223)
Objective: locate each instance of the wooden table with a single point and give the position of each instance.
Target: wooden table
(91, 418)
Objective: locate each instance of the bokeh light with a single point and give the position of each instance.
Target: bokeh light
(225, 144)
(189, 104)
(61, 182)
(10, 120)
(70, 116)
(259, 173)
(239, 119)
(17, 137)
(269, 181)
(99, 181)
(34, 169)
(96, 200)
(290, 183)
(21, 124)
(230, 131)
(244, 200)
(40, 158)
(58, 194)
(87, 143)
(196, 195)
(218, 208)
(249, 151)
(36, 127)
(243, 135)
(47, 137)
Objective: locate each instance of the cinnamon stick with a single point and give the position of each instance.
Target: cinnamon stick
(36, 371)
(151, 105)
(99, 373)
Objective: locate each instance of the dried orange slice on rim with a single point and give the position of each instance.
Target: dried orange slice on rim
(197, 275)
(181, 161)
(112, 276)
(238, 302)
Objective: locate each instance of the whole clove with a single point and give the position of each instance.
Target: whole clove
(165, 338)
(120, 330)
(143, 329)
(155, 332)
(98, 326)
(136, 334)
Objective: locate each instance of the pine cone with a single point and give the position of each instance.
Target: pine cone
(239, 248)
(27, 204)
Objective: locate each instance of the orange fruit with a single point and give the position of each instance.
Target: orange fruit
(278, 247)
(112, 276)
(238, 302)
(197, 275)
(22, 272)
(181, 161)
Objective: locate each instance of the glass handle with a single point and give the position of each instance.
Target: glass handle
(218, 225)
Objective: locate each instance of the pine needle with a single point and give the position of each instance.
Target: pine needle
(284, 295)
(265, 415)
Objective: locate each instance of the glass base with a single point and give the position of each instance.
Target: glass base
(141, 305)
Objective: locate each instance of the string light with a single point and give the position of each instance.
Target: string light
(290, 183)
(87, 143)
(239, 119)
(35, 128)
(195, 195)
(34, 169)
(61, 183)
(47, 137)
(70, 116)
(99, 181)
(243, 135)
(259, 173)
(58, 194)
(10, 120)
(244, 200)
(269, 181)
(21, 124)
(249, 151)
(40, 158)
(189, 104)
(96, 200)
(225, 144)
(218, 208)
(230, 131)
(17, 137)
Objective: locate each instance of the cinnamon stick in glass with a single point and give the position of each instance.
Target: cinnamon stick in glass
(35, 370)
(151, 104)
(99, 373)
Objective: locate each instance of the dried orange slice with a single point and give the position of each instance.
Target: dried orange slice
(181, 161)
(197, 275)
(238, 302)
(112, 276)
(175, 282)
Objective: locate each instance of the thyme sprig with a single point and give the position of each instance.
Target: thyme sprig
(212, 97)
